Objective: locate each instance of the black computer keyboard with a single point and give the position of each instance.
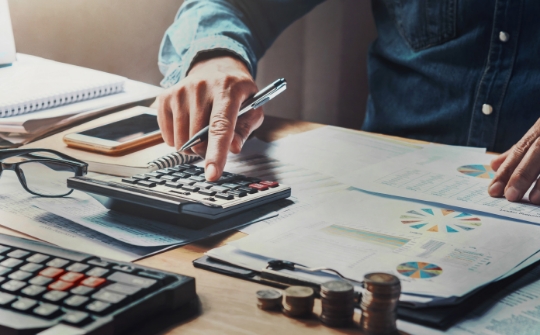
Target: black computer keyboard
(52, 290)
(181, 190)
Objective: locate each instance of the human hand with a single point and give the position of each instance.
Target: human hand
(211, 94)
(518, 168)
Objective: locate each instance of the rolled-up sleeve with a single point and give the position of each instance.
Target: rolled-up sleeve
(246, 28)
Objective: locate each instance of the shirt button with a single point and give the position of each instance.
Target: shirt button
(504, 36)
(487, 109)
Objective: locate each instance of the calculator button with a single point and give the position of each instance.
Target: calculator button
(231, 185)
(13, 285)
(57, 263)
(181, 175)
(194, 171)
(173, 184)
(203, 185)
(243, 182)
(33, 290)
(6, 298)
(219, 189)
(47, 310)
(31, 267)
(259, 187)
(37, 258)
(186, 181)
(140, 177)
(4, 271)
(153, 174)
(249, 190)
(76, 301)
(20, 275)
(93, 282)
(130, 181)
(125, 268)
(75, 317)
(190, 188)
(11, 263)
(97, 272)
(55, 296)
(60, 286)
(100, 262)
(77, 267)
(146, 183)
(237, 193)
(166, 171)
(40, 280)
(81, 290)
(224, 196)
(123, 289)
(197, 178)
(72, 277)
(157, 181)
(24, 304)
(51, 272)
(253, 180)
(170, 178)
(98, 307)
(18, 253)
(108, 296)
(269, 183)
(130, 279)
(207, 192)
(4, 249)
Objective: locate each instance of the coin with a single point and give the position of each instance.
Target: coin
(298, 301)
(269, 294)
(269, 299)
(337, 302)
(379, 303)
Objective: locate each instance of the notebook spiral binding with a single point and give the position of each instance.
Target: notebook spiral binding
(171, 160)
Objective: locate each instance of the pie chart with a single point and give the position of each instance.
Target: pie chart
(440, 220)
(477, 171)
(419, 270)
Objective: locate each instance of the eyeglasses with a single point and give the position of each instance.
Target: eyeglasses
(43, 172)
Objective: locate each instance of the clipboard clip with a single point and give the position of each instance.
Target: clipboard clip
(277, 265)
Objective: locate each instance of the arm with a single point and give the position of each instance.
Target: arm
(209, 57)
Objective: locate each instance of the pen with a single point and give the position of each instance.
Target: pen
(259, 99)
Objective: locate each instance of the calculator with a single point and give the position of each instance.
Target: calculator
(173, 193)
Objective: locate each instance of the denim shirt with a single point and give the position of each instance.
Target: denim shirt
(462, 72)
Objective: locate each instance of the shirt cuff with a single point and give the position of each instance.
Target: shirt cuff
(178, 70)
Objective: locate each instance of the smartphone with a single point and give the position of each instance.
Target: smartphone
(118, 137)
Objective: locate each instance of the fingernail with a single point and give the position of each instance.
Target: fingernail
(497, 189)
(512, 194)
(534, 196)
(211, 172)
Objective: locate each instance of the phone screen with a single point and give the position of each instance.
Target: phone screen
(125, 130)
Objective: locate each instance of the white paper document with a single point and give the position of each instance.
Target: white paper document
(459, 179)
(435, 251)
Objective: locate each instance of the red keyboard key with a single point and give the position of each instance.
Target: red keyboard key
(72, 277)
(52, 272)
(269, 183)
(259, 187)
(60, 286)
(93, 281)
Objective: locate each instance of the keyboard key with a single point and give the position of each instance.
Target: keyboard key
(72, 277)
(31, 267)
(99, 262)
(6, 298)
(190, 188)
(82, 290)
(60, 285)
(146, 183)
(238, 193)
(13, 285)
(76, 301)
(197, 178)
(18, 253)
(224, 196)
(76, 317)
(181, 175)
(157, 181)
(77, 267)
(98, 307)
(271, 184)
(93, 282)
(97, 272)
(131, 181)
(33, 290)
(47, 310)
(140, 177)
(4, 271)
(173, 184)
(259, 187)
(4, 249)
(249, 190)
(37, 258)
(170, 178)
(24, 304)
(20, 275)
(203, 185)
(231, 185)
(11, 263)
(107, 296)
(123, 289)
(40, 280)
(129, 279)
(57, 263)
(219, 189)
(207, 192)
(52, 272)
(55, 296)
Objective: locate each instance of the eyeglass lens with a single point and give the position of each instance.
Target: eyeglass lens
(47, 178)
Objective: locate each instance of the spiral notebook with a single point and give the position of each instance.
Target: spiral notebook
(33, 84)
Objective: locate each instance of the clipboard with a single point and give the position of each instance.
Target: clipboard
(441, 317)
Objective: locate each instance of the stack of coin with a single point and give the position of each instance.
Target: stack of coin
(298, 301)
(337, 299)
(379, 304)
(269, 299)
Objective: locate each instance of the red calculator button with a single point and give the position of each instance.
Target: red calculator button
(92, 281)
(269, 183)
(72, 277)
(60, 286)
(52, 272)
(259, 187)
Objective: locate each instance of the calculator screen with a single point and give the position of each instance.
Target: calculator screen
(125, 130)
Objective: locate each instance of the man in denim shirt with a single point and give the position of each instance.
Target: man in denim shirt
(459, 72)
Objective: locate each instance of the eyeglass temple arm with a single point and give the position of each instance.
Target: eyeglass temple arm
(7, 153)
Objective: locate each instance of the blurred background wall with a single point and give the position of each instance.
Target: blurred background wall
(322, 56)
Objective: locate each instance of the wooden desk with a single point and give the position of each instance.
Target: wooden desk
(228, 305)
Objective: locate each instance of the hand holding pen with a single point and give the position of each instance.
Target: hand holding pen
(213, 96)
